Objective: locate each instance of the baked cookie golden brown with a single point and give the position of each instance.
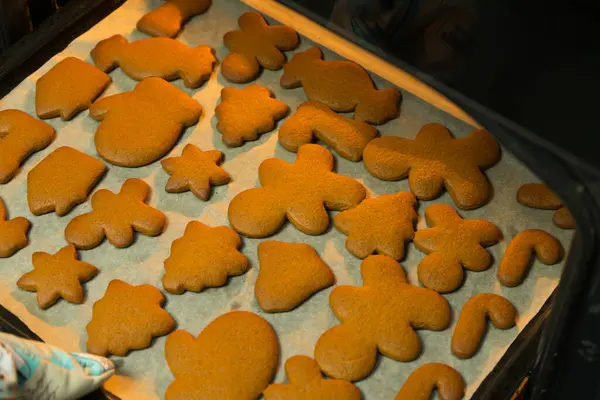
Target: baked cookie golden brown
(168, 19)
(13, 233)
(420, 385)
(538, 195)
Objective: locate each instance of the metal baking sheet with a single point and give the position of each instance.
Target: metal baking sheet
(144, 374)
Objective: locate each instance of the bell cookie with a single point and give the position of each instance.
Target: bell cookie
(245, 114)
(538, 195)
(168, 19)
(234, 358)
(155, 57)
(13, 233)
(301, 193)
(379, 225)
(452, 244)
(472, 322)
(20, 136)
(203, 257)
(314, 119)
(68, 88)
(127, 318)
(289, 273)
(342, 85)
(381, 316)
(307, 383)
(420, 385)
(518, 255)
(434, 160)
(116, 217)
(57, 276)
(195, 170)
(141, 126)
(256, 45)
(62, 180)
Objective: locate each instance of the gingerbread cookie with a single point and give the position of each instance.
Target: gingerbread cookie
(301, 192)
(381, 316)
(288, 275)
(195, 170)
(203, 257)
(13, 233)
(168, 19)
(424, 380)
(159, 57)
(245, 114)
(538, 195)
(342, 85)
(127, 318)
(68, 88)
(234, 358)
(20, 136)
(518, 255)
(435, 160)
(452, 244)
(346, 136)
(116, 217)
(141, 126)
(472, 322)
(256, 45)
(62, 180)
(57, 276)
(379, 225)
(307, 383)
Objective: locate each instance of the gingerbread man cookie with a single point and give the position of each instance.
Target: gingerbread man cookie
(472, 322)
(342, 85)
(57, 276)
(301, 192)
(160, 57)
(168, 19)
(435, 160)
(452, 244)
(245, 114)
(13, 233)
(195, 170)
(141, 126)
(346, 136)
(256, 45)
(379, 225)
(518, 255)
(381, 316)
(68, 88)
(62, 180)
(307, 383)
(424, 380)
(234, 358)
(127, 318)
(538, 195)
(20, 136)
(289, 274)
(116, 217)
(203, 257)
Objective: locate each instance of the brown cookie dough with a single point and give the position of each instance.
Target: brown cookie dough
(452, 244)
(420, 385)
(256, 45)
(127, 318)
(20, 136)
(13, 233)
(245, 114)
(168, 19)
(156, 57)
(289, 273)
(381, 316)
(342, 85)
(434, 160)
(57, 276)
(234, 358)
(301, 192)
(538, 195)
(68, 88)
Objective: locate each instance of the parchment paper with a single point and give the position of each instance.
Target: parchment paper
(144, 374)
